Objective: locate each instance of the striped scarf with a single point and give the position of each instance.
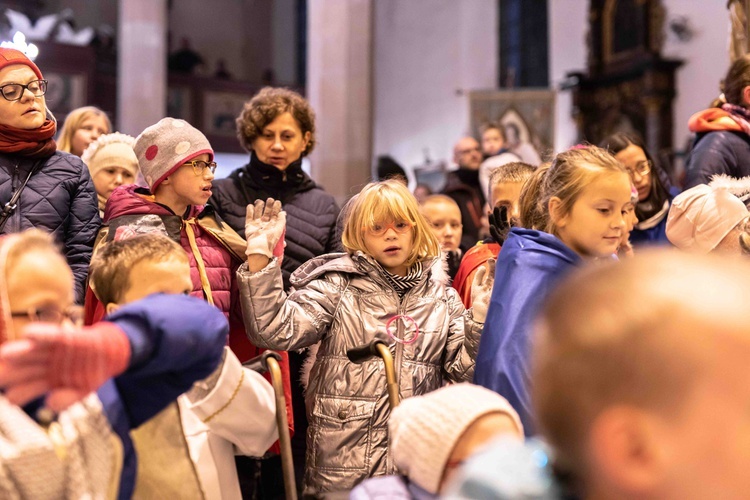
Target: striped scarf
(403, 284)
(739, 115)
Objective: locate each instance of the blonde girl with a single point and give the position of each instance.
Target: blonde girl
(82, 126)
(390, 285)
(574, 210)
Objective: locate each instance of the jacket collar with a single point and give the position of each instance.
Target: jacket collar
(259, 175)
(133, 200)
(359, 264)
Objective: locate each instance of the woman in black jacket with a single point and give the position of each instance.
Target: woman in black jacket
(277, 128)
(39, 186)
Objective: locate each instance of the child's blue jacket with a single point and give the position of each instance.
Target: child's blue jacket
(529, 266)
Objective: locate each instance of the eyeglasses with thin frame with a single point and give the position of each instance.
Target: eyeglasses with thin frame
(200, 166)
(14, 91)
(379, 228)
(642, 169)
(51, 314)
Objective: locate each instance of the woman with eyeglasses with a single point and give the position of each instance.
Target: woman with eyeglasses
(655, 193)
(277, 128)
(39, 186)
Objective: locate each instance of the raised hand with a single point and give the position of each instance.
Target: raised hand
(265, 224)
(499, 224)
(481, 290)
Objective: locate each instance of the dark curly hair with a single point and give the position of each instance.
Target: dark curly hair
(269, 103)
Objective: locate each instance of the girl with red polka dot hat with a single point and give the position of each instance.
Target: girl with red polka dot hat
(176, 161)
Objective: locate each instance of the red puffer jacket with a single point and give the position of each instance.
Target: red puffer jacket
(214, 251)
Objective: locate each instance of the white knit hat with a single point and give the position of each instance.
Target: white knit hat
(424, 430)
(702, 216)
(165, 146)
(111, 150)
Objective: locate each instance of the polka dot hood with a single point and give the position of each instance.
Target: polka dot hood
(164, 147)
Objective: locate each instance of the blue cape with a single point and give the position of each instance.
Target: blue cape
(529, 266)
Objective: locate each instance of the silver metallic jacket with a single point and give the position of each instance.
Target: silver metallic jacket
(342, 302)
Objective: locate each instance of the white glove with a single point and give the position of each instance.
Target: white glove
(481, 291)
(264, 227)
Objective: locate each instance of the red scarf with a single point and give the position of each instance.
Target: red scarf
(35, 143)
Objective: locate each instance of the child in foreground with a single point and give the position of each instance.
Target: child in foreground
(572, 211)
(390, 285)
(188, 449)
(49, 363)
(432, 435)
(639, 374)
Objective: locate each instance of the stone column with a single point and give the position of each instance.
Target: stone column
(142, 64)
(339, 87)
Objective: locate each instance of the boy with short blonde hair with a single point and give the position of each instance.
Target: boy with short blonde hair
(230, 412)
(115, 269)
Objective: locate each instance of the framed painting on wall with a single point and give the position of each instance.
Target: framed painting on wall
(220, 112)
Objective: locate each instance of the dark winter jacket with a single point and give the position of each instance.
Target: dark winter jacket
(720, 152)
(311, 212)
(721, 146)
(60, 199)
(463, 186)
(528, 267)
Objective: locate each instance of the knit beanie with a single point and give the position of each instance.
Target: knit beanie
(164, 147)
(702, 216)
(10, 56)
(111, 150)
(424, 430)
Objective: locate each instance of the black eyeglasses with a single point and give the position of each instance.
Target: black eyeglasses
(50, 314)
(200, 166)
(14, 91)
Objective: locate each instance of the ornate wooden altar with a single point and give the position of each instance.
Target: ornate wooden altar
(628, 85)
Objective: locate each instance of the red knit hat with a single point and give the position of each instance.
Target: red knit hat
(10, 56)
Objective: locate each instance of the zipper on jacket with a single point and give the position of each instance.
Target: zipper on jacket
(14, 222)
